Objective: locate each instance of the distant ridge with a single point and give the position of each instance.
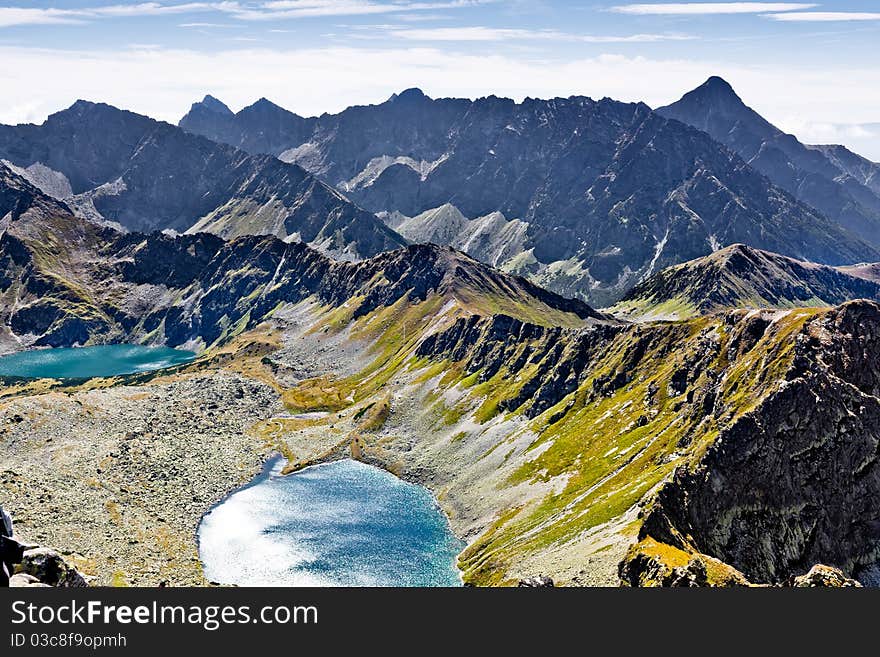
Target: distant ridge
(587, 197)
(742, 277)
(147, 175)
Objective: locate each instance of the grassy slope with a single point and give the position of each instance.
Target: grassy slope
(590, 460)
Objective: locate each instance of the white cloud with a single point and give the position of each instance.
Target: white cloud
(863, 138)
(462, 34)
(826, 16)
(14, 16)
(282, 9)
(206, 25)
(247, 11)
(709, 8)
(157, 8)
(163, 83)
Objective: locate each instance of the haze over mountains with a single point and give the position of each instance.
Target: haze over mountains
(584, 197)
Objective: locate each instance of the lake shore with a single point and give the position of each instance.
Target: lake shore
(119, 478)
(339, 523)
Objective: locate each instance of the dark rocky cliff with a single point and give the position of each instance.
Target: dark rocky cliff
(761, 436)
(796, 480)
(832, 180)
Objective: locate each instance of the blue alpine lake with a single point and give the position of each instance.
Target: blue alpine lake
(337, 524)
(89, 362)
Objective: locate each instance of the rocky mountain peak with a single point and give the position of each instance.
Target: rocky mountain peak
(740, 276)
(715, 97)
(212, 104)
(412, 95)
(264, 104)
(835, 183)
(717, 87)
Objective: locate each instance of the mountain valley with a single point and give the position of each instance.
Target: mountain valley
(732, 446)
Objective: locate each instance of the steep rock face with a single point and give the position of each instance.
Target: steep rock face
(560, 358)
(743, 447)
(605, 192)
(18, 196)
(147, 175)
(833, 180)
(743, 277)
(796, 480)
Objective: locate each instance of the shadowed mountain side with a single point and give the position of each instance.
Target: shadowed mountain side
(68, 281)
(840, 184)
(146, 175)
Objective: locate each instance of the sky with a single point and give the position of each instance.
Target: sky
(809, 67)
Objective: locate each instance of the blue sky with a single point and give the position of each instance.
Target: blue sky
(809, 67)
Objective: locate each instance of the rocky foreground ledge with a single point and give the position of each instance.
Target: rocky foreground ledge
(118, 479)
(23, 565)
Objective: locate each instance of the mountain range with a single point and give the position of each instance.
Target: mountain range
(584, 197)
(726, 449)
(116, 166)
(66, 280)
(733, 445)
(843, 186)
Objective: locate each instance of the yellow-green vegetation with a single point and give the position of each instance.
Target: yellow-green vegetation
(674, 309)
(118, 580)
(372, 417)
(635, 415)
(506, 302)
(667, 557)
(611, 449)
(320, 394)
(244, 217)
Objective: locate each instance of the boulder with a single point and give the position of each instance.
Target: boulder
(539, 582)
(824, 577)
(23, 580)
(50, 568)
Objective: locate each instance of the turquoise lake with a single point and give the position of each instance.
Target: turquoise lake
(88, 362)
(338, 524)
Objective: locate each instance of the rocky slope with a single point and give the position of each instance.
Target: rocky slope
(743, 277)
(67, 281)
(831, 179)
(747, 441)
(132, 468)
(145, 175)
(794, 478)
(588, 196)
